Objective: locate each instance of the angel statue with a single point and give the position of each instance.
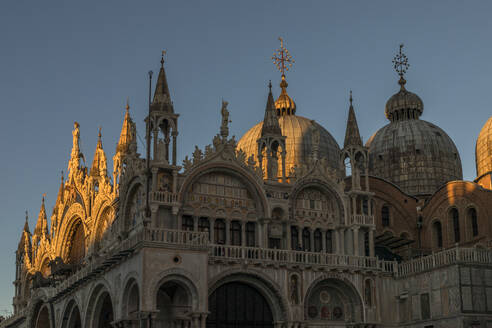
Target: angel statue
(224, 129)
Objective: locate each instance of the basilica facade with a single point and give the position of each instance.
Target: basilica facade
(282, 228)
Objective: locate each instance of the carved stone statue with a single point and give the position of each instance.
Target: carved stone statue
(76, 136)
(294, 293)
(224, 127)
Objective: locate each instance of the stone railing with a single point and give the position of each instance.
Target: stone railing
(451, 256)
(290, 257)
(164, 197)
(176, 237)
(361, 219)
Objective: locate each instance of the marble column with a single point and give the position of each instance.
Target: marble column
(371, 242)
(355, 232)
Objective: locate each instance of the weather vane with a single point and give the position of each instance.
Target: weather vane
(400, 62)
(282, 58)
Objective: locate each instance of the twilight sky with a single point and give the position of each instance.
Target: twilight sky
(80, 60)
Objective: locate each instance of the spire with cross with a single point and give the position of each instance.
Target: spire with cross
(401, 65)
(282, 58)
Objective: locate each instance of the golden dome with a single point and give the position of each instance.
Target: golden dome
(298, 143)
(285, 105)
(483, 150)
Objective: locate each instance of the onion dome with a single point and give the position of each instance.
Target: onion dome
(284, 104)
(416, 155)
(483, 150)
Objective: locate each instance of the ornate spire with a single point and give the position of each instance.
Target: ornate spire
(162, 97)
(128, 133)
(99, 163)
(74, 164)
(283, 60)
(270, 122)
(42, 224)
(352, 135)
(401, 65)
(25, 239)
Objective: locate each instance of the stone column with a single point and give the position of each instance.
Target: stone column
(243, 233)
(228, 231)
(154, 178)
(175, 181)
(311, 239)
(299, 237)
(323, 240)
(212, 230)
(175, 135)
(371, 242)
(156, 136)
(355, 232)
(342, 241)
(195, 223)
(283, 165)
(265, 234)
(289, 235)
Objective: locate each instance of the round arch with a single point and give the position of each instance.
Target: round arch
(130, 302)
(100, 310)
(245, 177)
(265, 287)
(71, 316)
(41, 317)
(333, 299)
(327, 187)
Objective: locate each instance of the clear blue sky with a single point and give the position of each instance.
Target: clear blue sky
(80, 60)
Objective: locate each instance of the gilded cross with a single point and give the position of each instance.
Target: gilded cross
(282, 58)
(400, 62)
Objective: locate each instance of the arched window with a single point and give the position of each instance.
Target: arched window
(368, 292)
(365, 206)
(219, 231)
(203, 225)
(294, 238)
(385, 216)
(329, 241)
(473, 221)
(437, 232)
(250, 234)
(236, 233)
(77, 245)
(455, 218)
(318, 242)
(187, 223)
(306, 239)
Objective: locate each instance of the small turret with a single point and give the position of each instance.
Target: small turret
(271, 142)
(162, 97)
(41, 230)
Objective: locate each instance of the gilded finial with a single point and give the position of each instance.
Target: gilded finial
(99, 135)
(162, 57)
(44, 195)
(127, 107)
(27, 216)
(401, 65)
(62, 175)
(350, 99)
(282, 58)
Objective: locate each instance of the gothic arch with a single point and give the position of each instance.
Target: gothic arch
(74, 213)
(102, 224)
(347, 294)
(133, 187)
(236, 171)
(267, 288)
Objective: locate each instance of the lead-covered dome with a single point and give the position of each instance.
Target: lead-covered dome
(299, 144)
(416, 155)
(483, 150)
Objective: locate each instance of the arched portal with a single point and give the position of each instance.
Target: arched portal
(333, 301)
(71, 316)
(238, 305)
(174, 305)
(131, 301)
(103, 314)
(42, 318)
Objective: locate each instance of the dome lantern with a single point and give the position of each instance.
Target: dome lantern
(403, 105)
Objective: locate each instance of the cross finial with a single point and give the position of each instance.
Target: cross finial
(282, 58)
(400, 62)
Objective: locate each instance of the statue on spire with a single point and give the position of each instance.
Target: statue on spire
(224, 128)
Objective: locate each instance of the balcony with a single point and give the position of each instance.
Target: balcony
(361, 219)
(268, 256)
(164, 197)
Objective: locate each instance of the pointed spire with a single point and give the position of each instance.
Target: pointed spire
(352, 135)
(99, 163)
(26, 224)
(270, 122)
(25, 239)
(127, 135)
(42, 224)
(61, 190)
(162, 96)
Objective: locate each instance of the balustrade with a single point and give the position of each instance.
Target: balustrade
(165, 197)
(362, 219)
